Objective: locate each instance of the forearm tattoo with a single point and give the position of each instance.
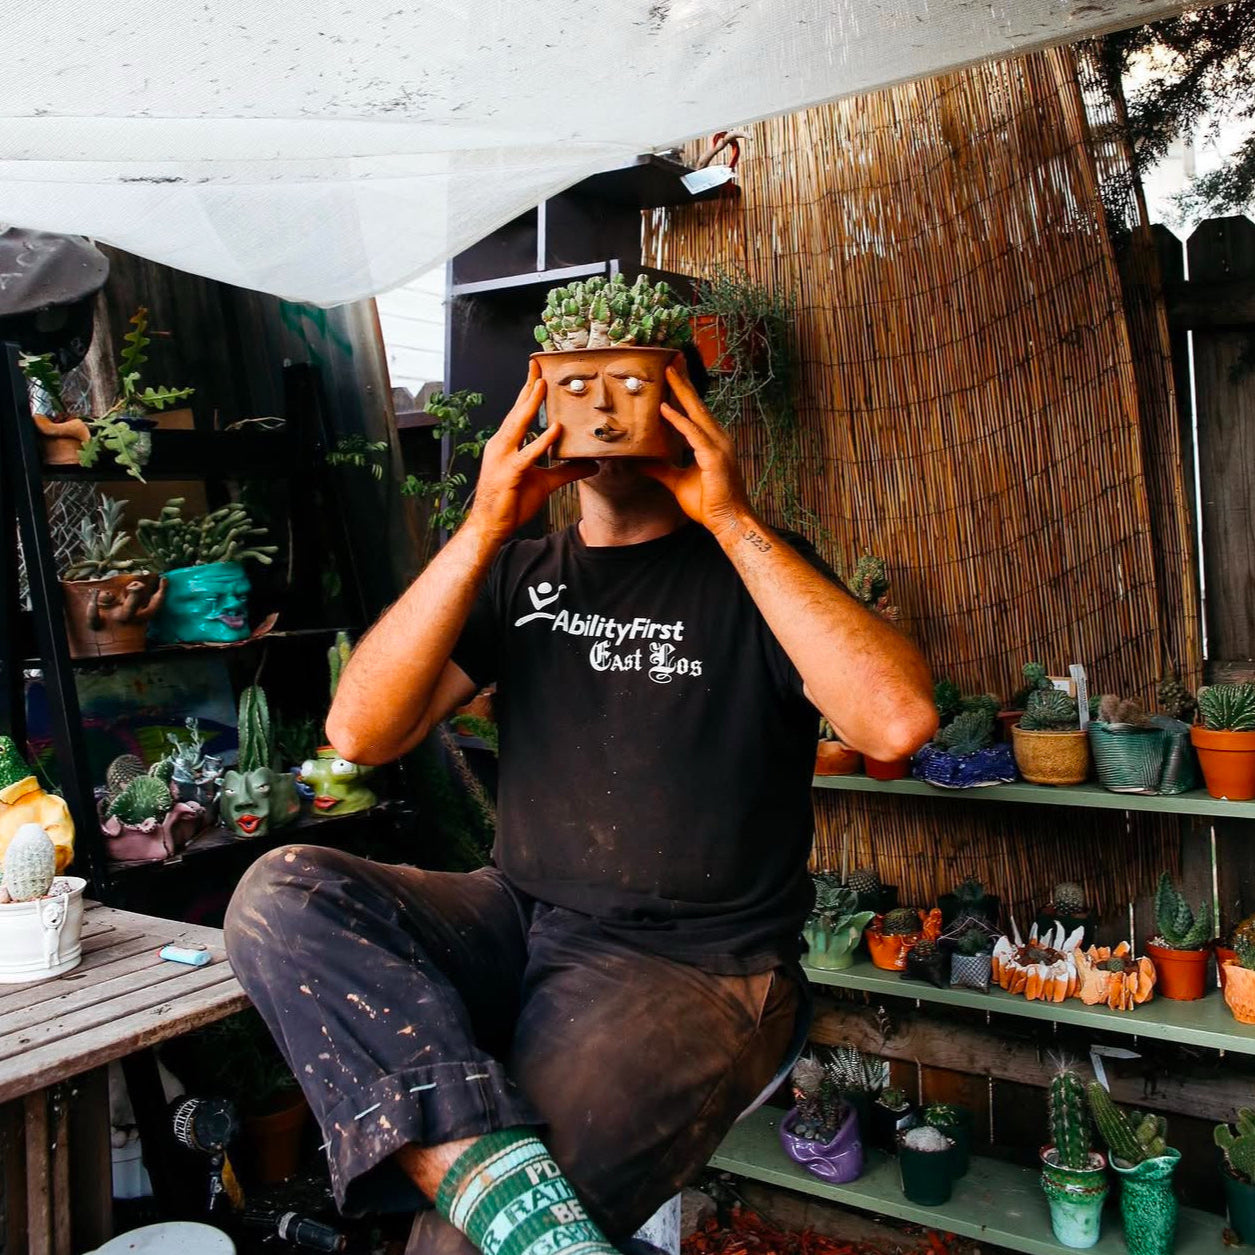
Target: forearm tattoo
(758, 540)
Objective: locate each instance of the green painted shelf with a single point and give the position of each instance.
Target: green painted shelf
(1207, 1022)
(995, 1202)
(1196, 802)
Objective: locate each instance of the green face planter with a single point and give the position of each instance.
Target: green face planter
(337, 783)
(204, 603)
(253, 802)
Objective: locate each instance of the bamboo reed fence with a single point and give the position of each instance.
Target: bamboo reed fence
(971, 408)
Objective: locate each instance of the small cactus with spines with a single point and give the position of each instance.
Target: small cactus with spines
(1227, 707)
(967, 733)
(145, 797)
(973, 942)
(120, 773)
(1239, 1146)
(900, 922)
(864, 882)
(1131, 1136)
(1179, 928)
(1175, 700)
(256, 742)
(30, 864)
(1068, 898)
(337, 659)
(1050, 710)
(1069, 1119)
(925, 950)
(1034, 676)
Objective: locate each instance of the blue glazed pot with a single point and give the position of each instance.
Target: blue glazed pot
(837, 1161)
(204, 604)
(995, 765)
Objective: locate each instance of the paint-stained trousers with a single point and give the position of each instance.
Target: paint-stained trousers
(423, 1007)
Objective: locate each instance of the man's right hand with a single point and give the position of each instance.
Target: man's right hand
(512, 484)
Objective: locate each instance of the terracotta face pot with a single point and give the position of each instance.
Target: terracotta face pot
(110, 616)
(61, 439)
(609, 402)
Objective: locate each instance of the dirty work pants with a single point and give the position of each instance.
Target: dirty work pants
(423, 1007)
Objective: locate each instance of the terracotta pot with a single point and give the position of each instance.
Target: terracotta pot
(61, 439)
(710, 338)
(1051, 757)
(1007, 719)
(1238, 984)
(110, 616)
(1224, 955)
(832, 758)
(878, 769)
(1228, 762)
(1182, 973)
(605, 420)
(272, 1142)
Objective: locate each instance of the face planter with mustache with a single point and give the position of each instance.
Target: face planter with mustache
(337, 783)
(205, 603)
(609, 402)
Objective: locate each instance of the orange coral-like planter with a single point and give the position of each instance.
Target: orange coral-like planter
(1051, 977)
(1121, 991)
(889, 951)
(1239, 991)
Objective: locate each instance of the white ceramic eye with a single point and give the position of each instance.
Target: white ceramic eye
(341, 767)
(578, 386)
(307, 767)
(634, 385)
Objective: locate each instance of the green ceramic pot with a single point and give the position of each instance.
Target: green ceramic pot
(204, 604)
(1240, 1196)
(1076, 1197)
(1148, 1204)
(833, 948)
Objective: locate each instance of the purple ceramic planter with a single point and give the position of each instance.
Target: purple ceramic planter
(837, 1161)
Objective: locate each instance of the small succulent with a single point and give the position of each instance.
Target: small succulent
(1034, 675)
(893, 1099)
(1175, 700)
(144, 798)
(925, 1138)
(598, 314)
(973, 942)
(1121, 712)
(924, 950)
(224, 535)
(1239, 1147)
(1050, 710)
(948, 699)
(869, 585)
(820, 1108)
(1131, 1136)
(256, 742)
(186, 761)
(30, 864)
(102, 545)
(1227, 707)
(1068, 898)
(1179, 928)
(967, 734)
(854, 1071)
(900, 922)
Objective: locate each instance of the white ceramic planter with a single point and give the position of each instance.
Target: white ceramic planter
(42, 939)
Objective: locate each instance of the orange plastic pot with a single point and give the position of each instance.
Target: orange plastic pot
(889, 952)
(880, 770)
(1224, 955)
(832, 758)
(272, 1142)
(1228, 762)
(1239, 991)
(1182, 973)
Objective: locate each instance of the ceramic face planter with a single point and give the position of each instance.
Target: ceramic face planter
(110, 616)
(207, 603)
(251, 803)
(338, 784)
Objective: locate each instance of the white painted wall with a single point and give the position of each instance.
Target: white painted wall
(412, 321)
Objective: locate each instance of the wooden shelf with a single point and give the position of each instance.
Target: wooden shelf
(1207, 1022)
(1196, 802)
(996, 1202)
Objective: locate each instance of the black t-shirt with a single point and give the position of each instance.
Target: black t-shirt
(656, 746)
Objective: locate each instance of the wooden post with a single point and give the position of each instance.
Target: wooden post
(38, 1175)
(91, 1163)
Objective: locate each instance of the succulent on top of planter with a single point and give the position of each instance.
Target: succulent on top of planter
(1175, 700)
(1070, 907)
(191, 774)
(223, 535)
(23, 800)
(820, 1108)
(30, 865)
(1237, 977)
(890, 937)
(1073, 1177)
(968, 900)
(1131, 1136)
(1122, 713)
(925, 1137)
(144, 797)
(1043, 968)
(254, 796)
(1034, 676)
(856, 1072)
(962, 754)
(1050, 710)
(600, 314)
(1227, 707)
(1069, 898)
(1112, 976)
(1238, 1144)
(871, 892)
(900, 922)
(966, 733)
(102, 545)
(822, 1133)
(835, 925)
(1225, 740)
(1178, 927)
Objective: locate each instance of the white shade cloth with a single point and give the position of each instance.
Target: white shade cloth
(328, 150)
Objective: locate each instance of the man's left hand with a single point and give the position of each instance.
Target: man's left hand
(711, 490)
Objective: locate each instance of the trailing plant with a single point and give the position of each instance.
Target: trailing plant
(600, 314)
(102, 545)
(1131, 1136)
(1227, 707)
(1178, 926)
(223, 535)
(1050, 710)
(1239, 1146)
(113, 434)
(358, 452)
(1175, 700)
(256, 743)
(1069, 1119)
(447, 494)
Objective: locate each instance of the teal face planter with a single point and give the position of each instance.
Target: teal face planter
(254, 802)
(1147, 1203)
(1076, 1197)
(204, 604)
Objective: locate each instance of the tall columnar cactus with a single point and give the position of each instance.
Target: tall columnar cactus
(146, 797)
(337, 659)
(1228, 707)
(601, 314)
(1050, 710)
(224, 535)
(30, 864)
(1069, 1119)
(1130, 1136)
(1178, 927)
(1239, 1148)
(254, 730)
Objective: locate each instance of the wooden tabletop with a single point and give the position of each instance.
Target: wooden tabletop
(119, 999)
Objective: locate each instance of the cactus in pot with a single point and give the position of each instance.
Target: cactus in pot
(1073, 1174)
(835, 925)
(1225, 740)
(30, 864)
(144, 798)
(1182, 943)
(1050, 745)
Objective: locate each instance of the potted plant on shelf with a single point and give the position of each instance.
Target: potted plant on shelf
(859, 1078)
(23, 800)
(821, 1132)
(1182, 943)
(109, 596)
(969, 899)
(1034, 676)
(62, 434)
(970, 942)
(1238, 978)
(1238, 1173)
(926, 1165)
(891, 1113)
(955, 1122)
(141, 820)
(1227, 951)
(1073, 1174)
(1128, 749)
(872, 894)
(41, 916)
(730, 321)
(832, 756)
(890, 936)
(1043, 969)
(203, 561)
(1069, 908)
(927, 961)
(1111, 976)
(1139, 1153)
(1050, 747)
(963, 754)
(192, 775)
(835, 925)
(1225, 740)
(256, 797)
(605, 351)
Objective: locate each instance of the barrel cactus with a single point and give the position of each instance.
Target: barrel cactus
(1227, 707)
(144, 798)
(1050, 710)
(864, 882)
(1068, 898)
(120, 773)
(30, 864)
(901, 922)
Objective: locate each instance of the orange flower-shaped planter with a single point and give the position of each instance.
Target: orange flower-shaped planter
(889, 950)
(1239, 992)
(1043, 970)
(1127, 986)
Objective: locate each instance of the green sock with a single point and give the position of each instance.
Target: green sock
(509, 1197)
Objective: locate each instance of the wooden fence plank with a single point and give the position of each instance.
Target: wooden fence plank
(91, 1161)
(38, 1175)
(60, 1152)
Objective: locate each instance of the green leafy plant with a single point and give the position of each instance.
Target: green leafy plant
(449, 499)
(893, 1099)
(599, 314)
(477, 726)
(1227, 707)
(223, 535)
(1050, 710)
(1239, 1146)
(836, 914)
(1069, 1119)
(41, 370)
(1131, 1136)
(1178, 926)
(358, 452)
(135, 395)
(102, 545)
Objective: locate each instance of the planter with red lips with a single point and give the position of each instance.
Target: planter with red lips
(337, 784)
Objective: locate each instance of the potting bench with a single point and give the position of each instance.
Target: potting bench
(58, 1038)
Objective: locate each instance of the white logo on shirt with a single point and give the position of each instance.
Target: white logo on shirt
(542, 595)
